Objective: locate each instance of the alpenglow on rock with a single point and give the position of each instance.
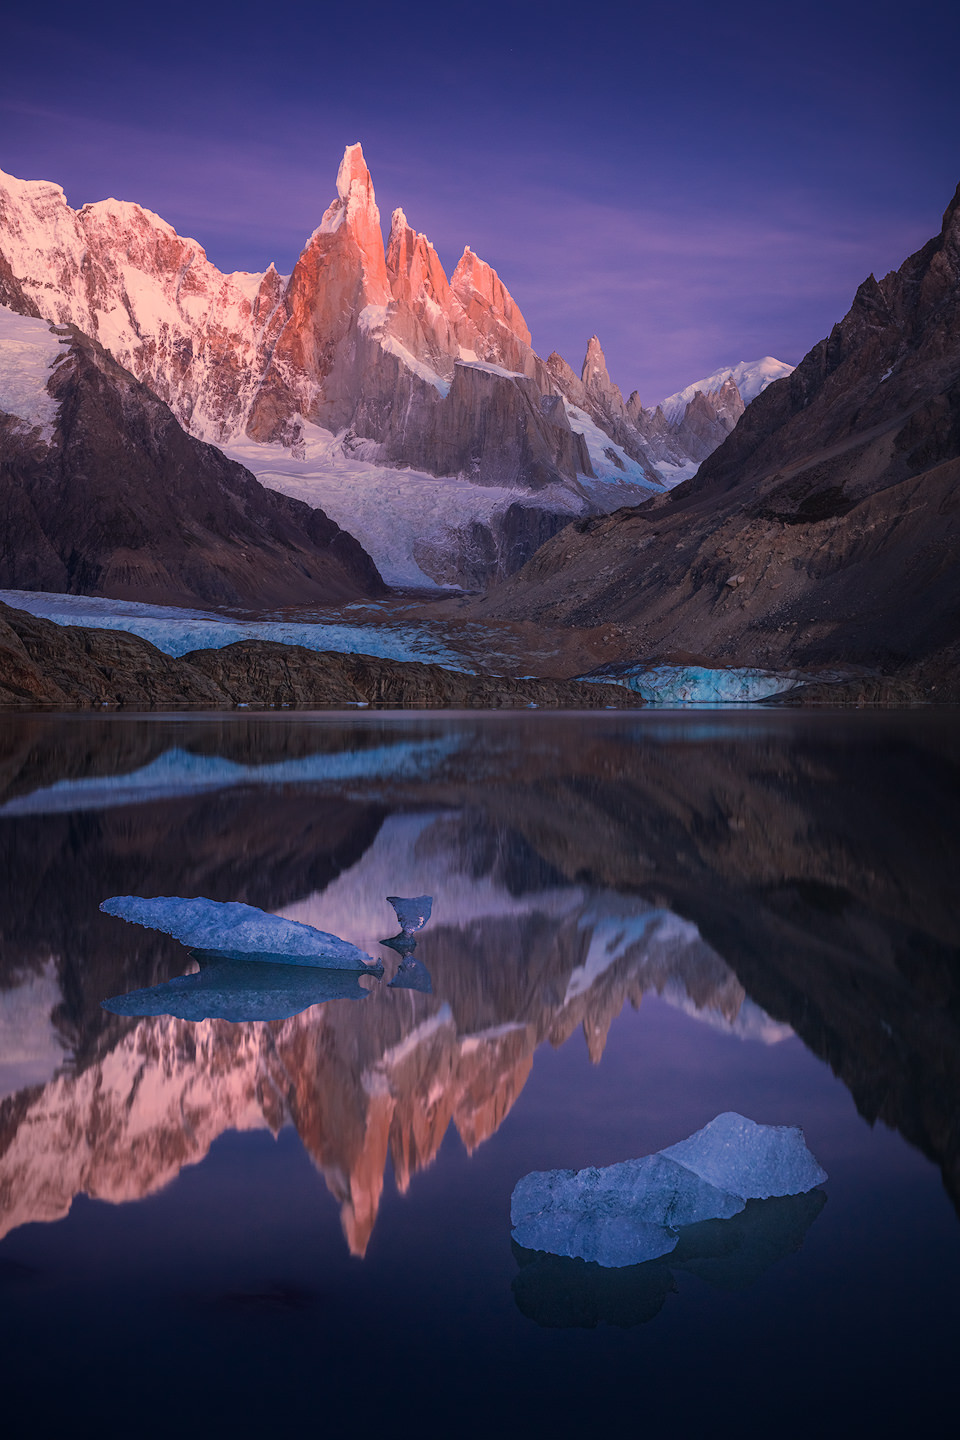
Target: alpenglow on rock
(234, 930)
(631, 1212)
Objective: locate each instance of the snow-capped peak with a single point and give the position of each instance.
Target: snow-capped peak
(750, 377)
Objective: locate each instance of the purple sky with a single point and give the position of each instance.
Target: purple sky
(698, 184)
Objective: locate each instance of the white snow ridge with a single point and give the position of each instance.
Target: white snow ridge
(28, 348)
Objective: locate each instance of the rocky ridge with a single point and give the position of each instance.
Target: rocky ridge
(103, 492)
(68, 666)
(825, 528)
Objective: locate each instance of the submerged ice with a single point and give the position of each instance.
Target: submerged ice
(635, 1211)
(233, 929)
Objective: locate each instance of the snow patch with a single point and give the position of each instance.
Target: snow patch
(28, 349)
(620, 471)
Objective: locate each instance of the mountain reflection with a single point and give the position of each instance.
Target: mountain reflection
(765, 878)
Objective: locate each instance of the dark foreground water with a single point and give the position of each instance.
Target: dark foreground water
(216, 1226)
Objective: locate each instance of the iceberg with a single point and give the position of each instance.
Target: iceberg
(233, 930)
(619, 1215)
(254, 988)
(412, 913)
(755, 1161)
(560, 1293)
(634, 1211)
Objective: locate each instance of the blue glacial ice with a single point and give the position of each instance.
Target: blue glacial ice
(558, 1292)
(412, 913)
(181, 772)
(616, 1215)
(177, 631)
(238, 990)
(234, 930)
(635, 1211)
(755, 1161)
(694, 684)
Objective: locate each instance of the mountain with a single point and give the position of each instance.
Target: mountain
(674, 436)
(365, 360)
(824, 529)
(103, 492)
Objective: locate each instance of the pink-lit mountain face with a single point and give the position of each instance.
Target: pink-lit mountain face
(373, 347)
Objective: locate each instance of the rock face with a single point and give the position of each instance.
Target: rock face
(670, 439)
(102, 492)
(43, 664)
(825, 528)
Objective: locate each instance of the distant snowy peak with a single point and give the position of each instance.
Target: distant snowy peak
(750, 377)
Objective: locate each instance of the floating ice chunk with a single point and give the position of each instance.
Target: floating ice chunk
(561, 1293)
(237, 990)
(632, 1212)
(755, 1161)
(413, 913)
(619, 1215)
(238, 930)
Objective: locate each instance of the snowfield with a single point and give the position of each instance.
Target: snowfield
(27, 351)
(397, 515)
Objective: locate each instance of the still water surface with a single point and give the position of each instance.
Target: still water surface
(638, 922)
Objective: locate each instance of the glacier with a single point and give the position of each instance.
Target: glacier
(694, 684)
(635, 1211)
(176, 631)
(233, 930)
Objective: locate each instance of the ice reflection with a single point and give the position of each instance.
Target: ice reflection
(741, 871)
(561, 1293)
(249, 989)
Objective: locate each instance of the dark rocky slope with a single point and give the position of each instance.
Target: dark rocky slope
(123, 502)
(43, 664)
(825, 529)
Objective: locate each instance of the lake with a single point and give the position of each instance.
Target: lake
(301, 1214)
